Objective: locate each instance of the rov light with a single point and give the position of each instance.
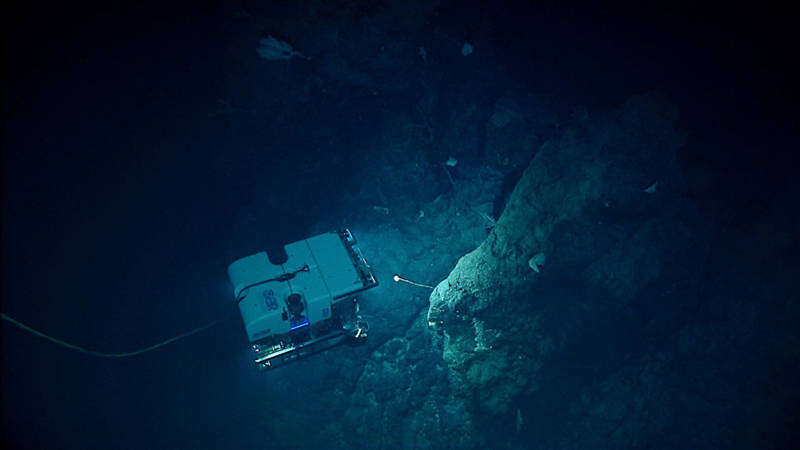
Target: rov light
(398, 278)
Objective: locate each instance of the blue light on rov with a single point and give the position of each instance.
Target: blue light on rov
(299, 325)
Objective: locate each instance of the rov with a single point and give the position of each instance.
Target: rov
(306, 304)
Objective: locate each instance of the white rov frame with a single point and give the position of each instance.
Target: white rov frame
(303, 305)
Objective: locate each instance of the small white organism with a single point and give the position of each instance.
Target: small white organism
(466, 49)
(652, 188)
(451, 162)
(537, 261)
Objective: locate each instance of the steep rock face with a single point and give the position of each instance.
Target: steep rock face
(589, 230)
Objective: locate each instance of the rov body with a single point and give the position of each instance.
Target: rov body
(306, 304)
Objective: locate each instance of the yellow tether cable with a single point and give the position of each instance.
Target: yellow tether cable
(101, 354)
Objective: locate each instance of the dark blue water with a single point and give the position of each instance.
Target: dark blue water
(144, 148)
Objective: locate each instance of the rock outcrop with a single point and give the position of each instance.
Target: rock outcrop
(595, 225)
